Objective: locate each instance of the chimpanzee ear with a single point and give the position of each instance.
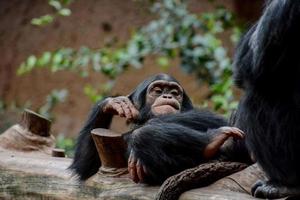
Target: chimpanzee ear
(138, 98)
(186, 103)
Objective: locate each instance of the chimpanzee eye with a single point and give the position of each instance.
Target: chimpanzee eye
(157, 91)
(174, 92)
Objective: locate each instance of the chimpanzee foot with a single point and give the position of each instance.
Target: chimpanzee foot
(219, 138)
(269, 190)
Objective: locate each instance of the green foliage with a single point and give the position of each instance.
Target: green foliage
(43, 20)
(163, 62)
(223, 99)
(96, 95)
(175, 33)
(65, 143)
(55, 97)
(60, 10)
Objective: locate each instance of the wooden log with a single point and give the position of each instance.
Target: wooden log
(36, 123)
(58, 152)
(111, 148)
(28, 176)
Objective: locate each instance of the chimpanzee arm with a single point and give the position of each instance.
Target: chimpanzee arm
(86, 161)
(269, 51)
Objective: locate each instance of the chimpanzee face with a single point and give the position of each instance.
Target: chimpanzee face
(164, 97)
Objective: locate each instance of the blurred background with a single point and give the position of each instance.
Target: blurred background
(59, 57)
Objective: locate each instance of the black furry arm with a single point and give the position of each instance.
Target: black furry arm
(86, 161)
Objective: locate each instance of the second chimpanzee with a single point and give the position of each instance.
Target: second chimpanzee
(168, 136)
(267, 67)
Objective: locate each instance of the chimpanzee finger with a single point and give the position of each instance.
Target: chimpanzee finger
(239, 130)
(232, 131)
(131, 107)
(126, 109)
(134, 111)
(133, 173)
(117, 106)
(140, 171)
(130, 158)
(237, 133)
(132, 167)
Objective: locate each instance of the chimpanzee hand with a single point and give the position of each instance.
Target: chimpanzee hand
(136, 169)
(121, 106)
(231, 132)
(219, 137)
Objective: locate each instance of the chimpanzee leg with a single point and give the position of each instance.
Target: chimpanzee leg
(166, 149)
(160, 150)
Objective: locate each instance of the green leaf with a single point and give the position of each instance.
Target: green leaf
(43, 20)
(57, 58)
(163, 61)
(92, 93)
(64, 12)
(84, 73)
(22, 69)
(36, 21)
(66, 2)
(56, 4)
(31, 61)
(44, 59)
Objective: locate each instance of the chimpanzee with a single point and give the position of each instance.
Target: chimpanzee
(169, 134)
(267, 67)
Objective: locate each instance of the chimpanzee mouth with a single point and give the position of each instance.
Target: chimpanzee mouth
(174, 104)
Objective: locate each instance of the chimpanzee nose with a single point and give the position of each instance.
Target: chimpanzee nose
(167, 96)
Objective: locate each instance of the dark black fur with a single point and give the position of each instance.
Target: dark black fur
(267, 67)
(86, 161)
